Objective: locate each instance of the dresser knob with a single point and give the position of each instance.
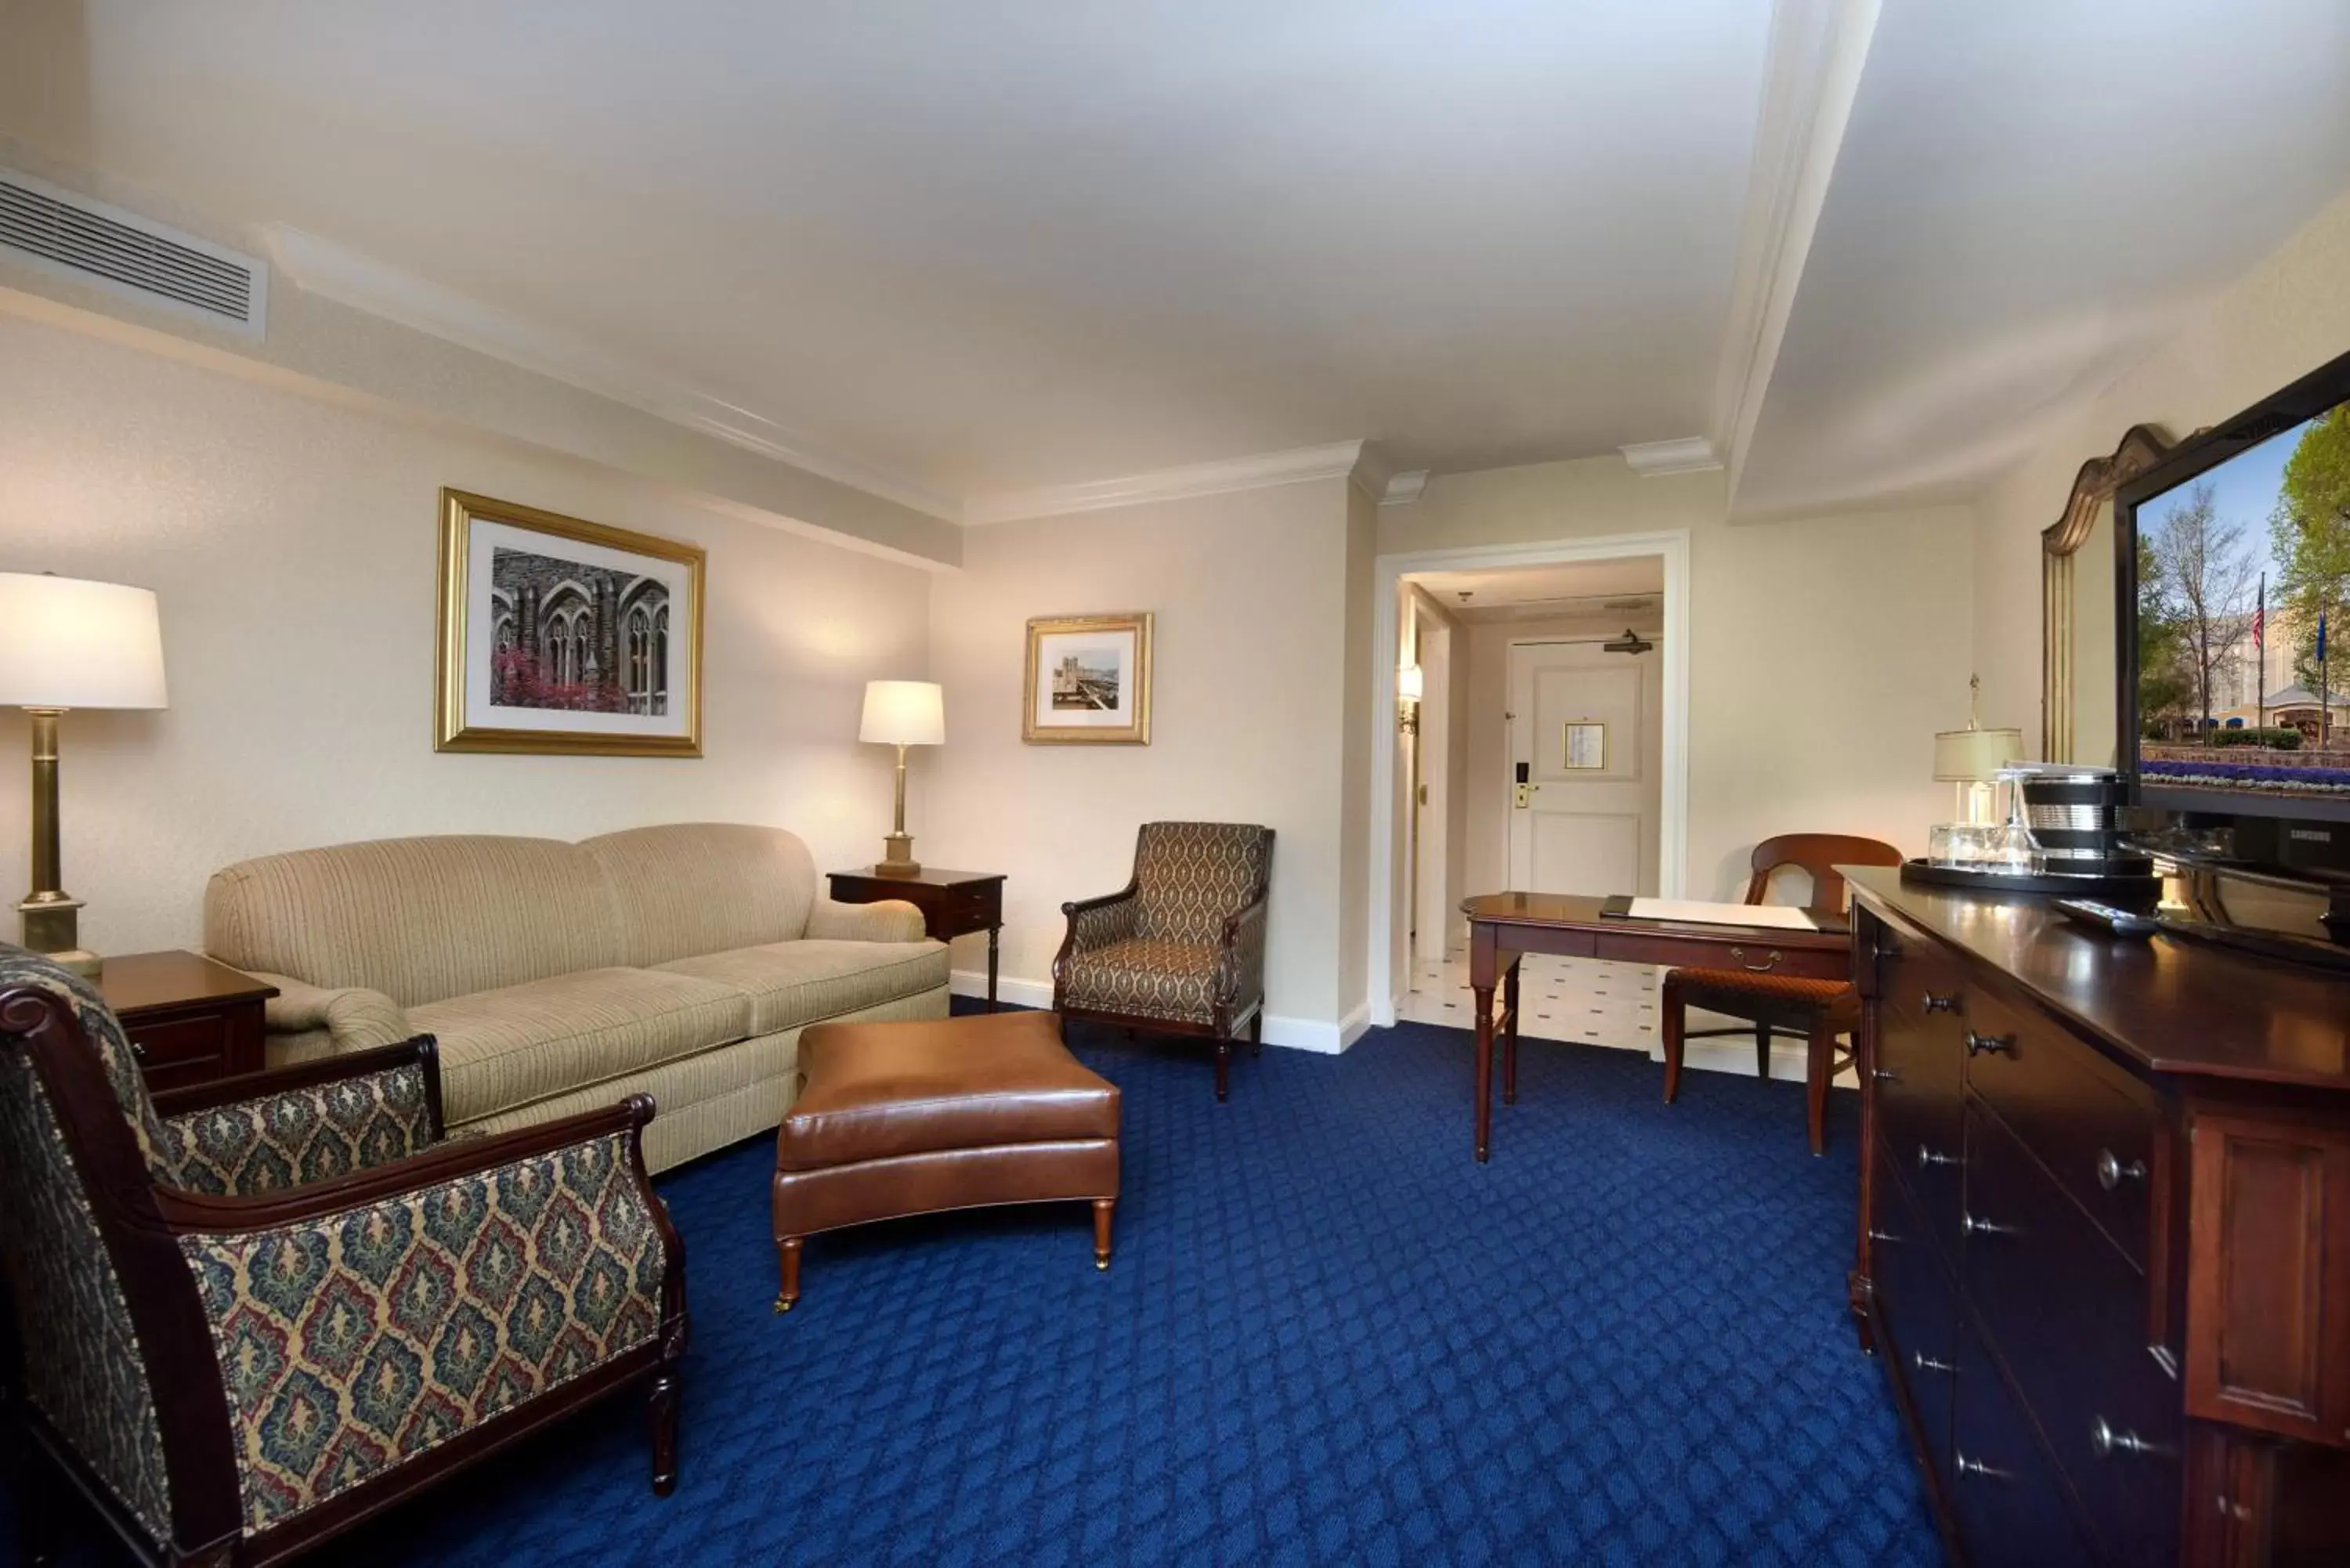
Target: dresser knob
(1924, 1362)
(1927, 1158)
(138, 1050)
(1883, 1237)
(1968, 1467)
(2112, 1172)
(1995, 1044)
(2106, 1442)
(1974, 1227)
(1885, 1074)
(1942, 1003)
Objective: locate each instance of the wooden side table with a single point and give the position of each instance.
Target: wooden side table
(190, 1020)
(953, 903)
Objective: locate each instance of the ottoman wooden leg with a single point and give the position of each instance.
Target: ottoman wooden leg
(1103, 1209)
(788, 1252)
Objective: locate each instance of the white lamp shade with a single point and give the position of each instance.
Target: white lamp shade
(1975, 756)
(904, 713)
(1410, 683)
(65, 642)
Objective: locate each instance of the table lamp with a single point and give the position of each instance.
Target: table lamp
(1970, 758)
(902, 713)
(67, 643)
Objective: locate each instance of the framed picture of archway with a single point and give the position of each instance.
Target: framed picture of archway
(563, 637)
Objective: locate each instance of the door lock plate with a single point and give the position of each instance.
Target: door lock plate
(1525, 795)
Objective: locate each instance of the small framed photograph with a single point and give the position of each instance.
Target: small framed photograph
(563, 637)
(1088, 679)
(1585, 745)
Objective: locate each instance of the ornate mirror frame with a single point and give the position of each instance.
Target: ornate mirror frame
(2141, 448)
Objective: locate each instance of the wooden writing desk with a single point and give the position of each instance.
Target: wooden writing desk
(1504, 926)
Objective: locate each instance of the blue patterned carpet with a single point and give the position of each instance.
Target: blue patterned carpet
(1328, 1337)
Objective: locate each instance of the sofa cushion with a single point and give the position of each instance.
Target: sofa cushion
(503, 1048)
(703, 887)
(791, 983)
(416, 919)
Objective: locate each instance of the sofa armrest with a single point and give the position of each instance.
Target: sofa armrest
(353, 1017)
(263, 1132)
(890, 921)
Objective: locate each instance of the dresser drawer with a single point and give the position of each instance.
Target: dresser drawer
(163, 1042)
(2069, 1315)
(972, 909)
(2009, 1506)
(1919, 1079)
(1914, 1304)
(2092, 1126)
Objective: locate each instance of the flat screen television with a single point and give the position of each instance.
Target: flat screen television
(2231, 555)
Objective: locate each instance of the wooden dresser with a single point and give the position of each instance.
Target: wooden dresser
(2104, 1233)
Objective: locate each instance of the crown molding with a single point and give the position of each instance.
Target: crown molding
(1811, 76)
(1682, 455)
(322, 268)
(1338, 459)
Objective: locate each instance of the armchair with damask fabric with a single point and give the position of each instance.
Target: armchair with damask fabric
(1181, 950)
(254, 1312)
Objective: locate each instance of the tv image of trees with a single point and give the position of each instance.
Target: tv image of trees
(2197, 583)
(2309, 535)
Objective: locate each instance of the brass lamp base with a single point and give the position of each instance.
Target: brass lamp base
(51, 930)
(897, 856)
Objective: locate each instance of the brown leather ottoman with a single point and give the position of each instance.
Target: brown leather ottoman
(962, 1113)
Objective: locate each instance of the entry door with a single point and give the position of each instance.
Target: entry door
(1584, 730)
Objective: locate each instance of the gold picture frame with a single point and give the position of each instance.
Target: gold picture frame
(1583, 745)
(561, 638)
(1105, 702)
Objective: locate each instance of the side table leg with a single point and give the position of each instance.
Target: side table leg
(1481, 975)
(994, 938)
(1510, 1036)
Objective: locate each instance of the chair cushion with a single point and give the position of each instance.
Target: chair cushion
(692, 887)
(791, 983)
(1145, 979)
(879, 1091)
(500, 1049)
(1727, 991)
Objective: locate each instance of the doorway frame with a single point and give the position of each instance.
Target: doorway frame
(1387, 574)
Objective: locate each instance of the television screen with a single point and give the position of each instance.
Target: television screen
(2243, 581)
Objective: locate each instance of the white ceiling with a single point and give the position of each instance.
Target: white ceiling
(960, 253)
(1635, 575)
(2027, 200)
(996, 246)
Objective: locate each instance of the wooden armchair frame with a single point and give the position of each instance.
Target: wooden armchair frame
(140, 1221)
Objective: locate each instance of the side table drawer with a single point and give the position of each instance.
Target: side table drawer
(174, 1052)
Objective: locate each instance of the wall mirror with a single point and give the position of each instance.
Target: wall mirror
(2079, 673)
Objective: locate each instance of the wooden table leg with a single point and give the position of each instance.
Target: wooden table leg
(1481, 986)
(1510, 1034)
(994, 934)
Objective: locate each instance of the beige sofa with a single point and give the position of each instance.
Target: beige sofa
(682, 962)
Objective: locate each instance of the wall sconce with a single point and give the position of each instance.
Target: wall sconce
(1409, 685)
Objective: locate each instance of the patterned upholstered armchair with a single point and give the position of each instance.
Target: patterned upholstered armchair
(254, 1312)
(1181, 950)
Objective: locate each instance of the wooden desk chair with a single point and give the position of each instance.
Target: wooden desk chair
(1814, 1011)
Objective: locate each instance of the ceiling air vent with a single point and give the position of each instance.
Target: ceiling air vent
(66, 234)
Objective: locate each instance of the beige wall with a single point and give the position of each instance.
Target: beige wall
(2279, 321)
(1248, 719)
(1823, 652)
(293, 542)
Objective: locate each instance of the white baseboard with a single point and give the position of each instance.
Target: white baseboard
(1297, 1034)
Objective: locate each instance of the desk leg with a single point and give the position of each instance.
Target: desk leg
(1481, 986)
(1509, 1035)
(994, 935)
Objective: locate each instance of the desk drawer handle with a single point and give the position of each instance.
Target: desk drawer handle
(1927, 1158)
(2112, 1172)
(2106, 1442)
(1766, 967)
(1995, 1044)
(1975, 1227)
(1968, 1467)
(1942, 1003)
(1924, 1362)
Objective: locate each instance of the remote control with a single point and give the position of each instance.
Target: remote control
(2121, 922)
